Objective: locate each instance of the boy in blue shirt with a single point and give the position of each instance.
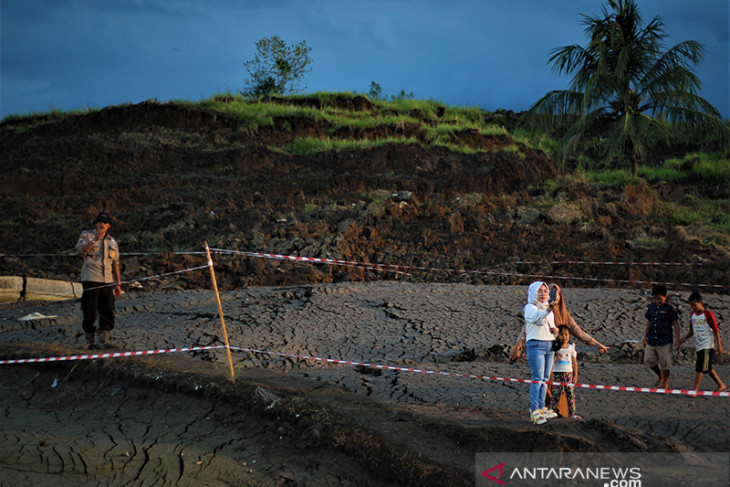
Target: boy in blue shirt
(662, 325)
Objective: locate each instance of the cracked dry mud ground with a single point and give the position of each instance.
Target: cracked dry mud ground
(101, 432)
(463, 329)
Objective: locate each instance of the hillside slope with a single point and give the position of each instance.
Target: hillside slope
(178, 176)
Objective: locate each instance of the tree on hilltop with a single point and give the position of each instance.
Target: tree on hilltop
(625, 86)
(277, 68)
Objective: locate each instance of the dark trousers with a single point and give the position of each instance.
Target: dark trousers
(97, 301)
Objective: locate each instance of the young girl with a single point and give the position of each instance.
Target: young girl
(565, 371)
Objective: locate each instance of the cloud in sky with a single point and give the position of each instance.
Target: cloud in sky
(75, 54)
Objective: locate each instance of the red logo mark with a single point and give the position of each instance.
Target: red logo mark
(496, 479)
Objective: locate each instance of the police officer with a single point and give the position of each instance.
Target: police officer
(100, 277)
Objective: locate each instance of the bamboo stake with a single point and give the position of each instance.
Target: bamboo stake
(220, 311)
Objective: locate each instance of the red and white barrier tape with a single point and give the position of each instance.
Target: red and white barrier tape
(124, 254)
(95, 356)
(133, 281)
(616, 281)
(333, 261)
(586, 262)
(405, 268)
(685, 392)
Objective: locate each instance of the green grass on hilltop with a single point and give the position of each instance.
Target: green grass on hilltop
(436, 122)
(429, 123)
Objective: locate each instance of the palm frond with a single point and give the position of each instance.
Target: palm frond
(555, 109)
(567, 59)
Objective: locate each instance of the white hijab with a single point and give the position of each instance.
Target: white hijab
(532, 293)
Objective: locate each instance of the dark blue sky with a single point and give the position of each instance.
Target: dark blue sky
(77, 54)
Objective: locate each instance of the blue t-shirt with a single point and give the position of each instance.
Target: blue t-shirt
(660, 328)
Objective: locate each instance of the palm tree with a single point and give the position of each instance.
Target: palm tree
(624, 85)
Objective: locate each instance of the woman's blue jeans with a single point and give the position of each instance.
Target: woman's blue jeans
(540, 357)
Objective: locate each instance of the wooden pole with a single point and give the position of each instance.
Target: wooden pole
(220, 311)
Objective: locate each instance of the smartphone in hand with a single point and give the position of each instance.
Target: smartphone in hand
(553, 295)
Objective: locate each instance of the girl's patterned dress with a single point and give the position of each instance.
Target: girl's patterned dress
(563, 373)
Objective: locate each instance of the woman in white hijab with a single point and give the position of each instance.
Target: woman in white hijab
(540, 333)
(562, 317)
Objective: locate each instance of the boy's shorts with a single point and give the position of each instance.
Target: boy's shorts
(658, 355)
(704, 361)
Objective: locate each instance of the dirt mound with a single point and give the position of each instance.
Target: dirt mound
(176, 177)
